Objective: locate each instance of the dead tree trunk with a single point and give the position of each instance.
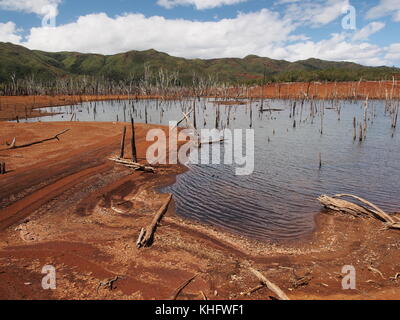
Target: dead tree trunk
(122, 153)
(133, 142)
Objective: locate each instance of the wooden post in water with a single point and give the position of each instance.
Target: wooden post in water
(122, 153)
(320, 161)
(355, 129)
(133, 142)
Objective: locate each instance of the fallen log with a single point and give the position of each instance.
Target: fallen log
(271, 286)
(146, 239)
(133, 165)
(368, 210)
(14, 146)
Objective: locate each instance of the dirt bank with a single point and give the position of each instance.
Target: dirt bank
(322, 90)
(58, 207)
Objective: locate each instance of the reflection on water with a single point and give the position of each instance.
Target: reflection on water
(278, 201)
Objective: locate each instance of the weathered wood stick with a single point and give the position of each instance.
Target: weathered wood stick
(271, 286)
(377, 211)
(255, 289)
(210, 142)
(181, 287)
(147, 239)
(14, 146)
(140, 238)
(133, 165)
(122, 153)
(133, 142)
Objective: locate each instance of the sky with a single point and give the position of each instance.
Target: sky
(361, 31)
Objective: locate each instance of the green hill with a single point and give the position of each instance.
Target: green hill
(23, 63)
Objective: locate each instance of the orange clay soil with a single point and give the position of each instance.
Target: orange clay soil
(323, 90)
(62, 203)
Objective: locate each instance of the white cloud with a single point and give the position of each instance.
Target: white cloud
(246, 34)
(385, 8)
(368, 30)
(314, 12)
(199, 4)
(265, 33)
(393, 53)
(40, 7)
(336, 48)
(8, 33)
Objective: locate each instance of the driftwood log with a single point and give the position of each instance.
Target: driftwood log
(146, 238)
(271, 286)
(13, 144)
(367, 209)
(133, 165)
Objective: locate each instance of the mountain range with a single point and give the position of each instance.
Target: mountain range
(22, 62)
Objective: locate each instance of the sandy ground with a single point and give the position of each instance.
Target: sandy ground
(62, 203)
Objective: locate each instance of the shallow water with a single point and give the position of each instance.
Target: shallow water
(278, 201)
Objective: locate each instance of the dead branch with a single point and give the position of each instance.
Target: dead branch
(374, 270)
(271, 286)
(271, 110)
(109, 283)
(147, 238)
(204, 296)
(133, 165)
(210, 142)
(181, 287)
(14, 146)
(336, 204)
(251, 291)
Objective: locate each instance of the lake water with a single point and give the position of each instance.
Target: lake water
(278, 201)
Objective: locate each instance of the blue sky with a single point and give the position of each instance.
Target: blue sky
(280, 29)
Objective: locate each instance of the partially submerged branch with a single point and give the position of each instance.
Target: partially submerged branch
(367, 210)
